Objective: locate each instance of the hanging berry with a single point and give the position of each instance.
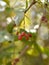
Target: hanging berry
(15, 61)
(19, 37)
(30, 35)
(27, 36)
(23, 34)
(44, 18)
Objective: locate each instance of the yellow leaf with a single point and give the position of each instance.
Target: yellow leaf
(12, 14)
(7, 1)
(30, 51)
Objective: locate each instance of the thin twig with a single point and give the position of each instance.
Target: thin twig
(30, 6)
(24, 50)
(21, 54)
(24, 23)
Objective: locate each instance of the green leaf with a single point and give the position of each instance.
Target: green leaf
(46, 51)
(7, 1)
(10, 27)
(18, 18)
(15, 37)
(26, 3)
(22, 30)
(8, 11)
(7, 52)
(37, 47)
(9, 63)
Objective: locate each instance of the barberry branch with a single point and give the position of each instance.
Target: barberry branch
(30, 6)
(24, 50)
(21, 54)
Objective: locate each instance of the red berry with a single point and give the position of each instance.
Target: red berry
(17, 59)
(23, 33)
(30, 35)
(19, 37)
(27, 37)
(43, 18)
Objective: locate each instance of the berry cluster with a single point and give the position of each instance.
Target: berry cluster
(44, 19)
(15, 61)
(24, 34)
